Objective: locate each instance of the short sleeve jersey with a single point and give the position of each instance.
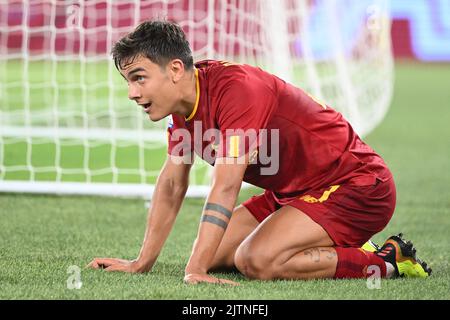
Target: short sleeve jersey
(313, 145)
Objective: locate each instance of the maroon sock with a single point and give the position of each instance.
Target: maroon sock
(353, 263)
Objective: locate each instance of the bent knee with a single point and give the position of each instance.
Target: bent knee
(255, 264)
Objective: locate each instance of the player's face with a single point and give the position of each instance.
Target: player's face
(151, 87)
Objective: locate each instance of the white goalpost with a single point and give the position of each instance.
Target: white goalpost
(67, 127)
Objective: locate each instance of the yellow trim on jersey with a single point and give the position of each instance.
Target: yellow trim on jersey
(323, 105)
(228, 63)
(197, 96)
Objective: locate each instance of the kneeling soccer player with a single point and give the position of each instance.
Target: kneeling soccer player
(326, 192)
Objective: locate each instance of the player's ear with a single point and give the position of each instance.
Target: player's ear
(176, 70)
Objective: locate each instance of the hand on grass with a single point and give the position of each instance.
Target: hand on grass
(114, 264)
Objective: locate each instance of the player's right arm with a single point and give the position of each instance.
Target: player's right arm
(170, 190)
(168, 196)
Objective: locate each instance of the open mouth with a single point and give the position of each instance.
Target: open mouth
(146, 107)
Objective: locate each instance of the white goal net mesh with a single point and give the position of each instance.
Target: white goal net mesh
(66, 125)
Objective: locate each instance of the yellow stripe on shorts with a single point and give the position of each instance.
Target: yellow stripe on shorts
(323, 198)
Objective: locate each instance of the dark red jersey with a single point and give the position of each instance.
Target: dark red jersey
(316, 146)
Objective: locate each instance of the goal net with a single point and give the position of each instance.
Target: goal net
(66, 125)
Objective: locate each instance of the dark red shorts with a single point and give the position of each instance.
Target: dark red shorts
(350, 214)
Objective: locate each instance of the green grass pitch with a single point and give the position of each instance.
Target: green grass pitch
(42, 236)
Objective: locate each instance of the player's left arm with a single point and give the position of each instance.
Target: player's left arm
(246, 104)
(227, 178)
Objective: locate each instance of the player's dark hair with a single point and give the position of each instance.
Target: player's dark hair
(158, 40)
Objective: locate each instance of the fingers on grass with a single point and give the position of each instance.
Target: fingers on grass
(117, 267)
(93, 265)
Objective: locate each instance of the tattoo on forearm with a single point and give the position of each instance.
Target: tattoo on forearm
(214, 220)
(218, 208)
